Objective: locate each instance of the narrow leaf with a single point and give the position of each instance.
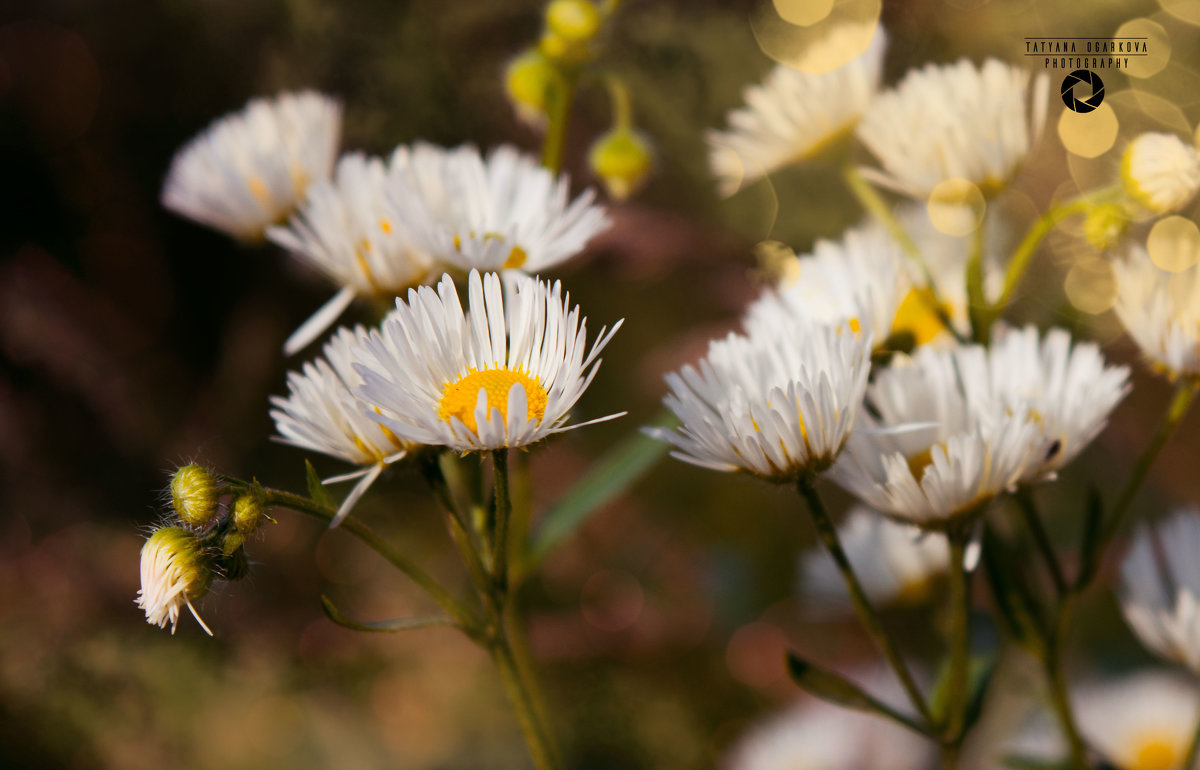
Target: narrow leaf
(1093, 516)
(317, 490)
(623, 465)
(385, 626)
(835, 689)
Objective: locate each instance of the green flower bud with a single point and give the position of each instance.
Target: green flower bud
(194, 495)
(529, 81)
(1105, 224)
(621, 158)
(175, 572)
(576, 22)
(247, 514)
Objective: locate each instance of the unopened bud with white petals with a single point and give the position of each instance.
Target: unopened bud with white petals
(175, 572)
(1161, 172)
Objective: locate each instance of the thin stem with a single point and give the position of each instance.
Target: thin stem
(622, 108)
(536, 735)
(960, 639)
(1185, 393)
(878, 208)
(977, 306)
(459, 611)
(500, 544)
(862, 605)
(1061, 703)
(1033, 522)
(559, 114)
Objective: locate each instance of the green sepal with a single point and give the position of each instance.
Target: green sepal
(316, 490)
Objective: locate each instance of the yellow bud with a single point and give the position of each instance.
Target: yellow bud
(1105, 224)
(194, 495)
(175, 572)
(233, 541)
(574, 21)
(528, 82)
(247, 513)
(556, 48)
(621, 159)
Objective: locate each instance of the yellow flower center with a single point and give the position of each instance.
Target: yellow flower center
(1156, 751)
(459, 397)
(921, 461)
(917, 316)
(516, 256)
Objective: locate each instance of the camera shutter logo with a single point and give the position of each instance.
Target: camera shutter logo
(1091, 80)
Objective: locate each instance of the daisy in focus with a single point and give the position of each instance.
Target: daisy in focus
(348, 231)
(778, 404)
(322, 413)
(174, 573)
(1143, 721)
(795, 113)
(1161, 172)
(955, 121)
(818, 736)
(1160, 587)
(1067, 388)
(249, 170)
(894, 562)
(930, 452)
(505, 373)
(503, 212)
(1161, 312)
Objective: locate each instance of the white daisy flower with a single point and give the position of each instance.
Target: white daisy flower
(1160, 587)
(1161, 312)
(1066, 388)
(348, 230)
(1143, 721)
(505, 212)
(860, 279)
(250, 169)
(504, 374)
(794, 114)
(815, 735)
(1160, 171)
(777, 404)
(894, 562)
(955, 121)
(322, 413)
(174, 572)
(934, 453)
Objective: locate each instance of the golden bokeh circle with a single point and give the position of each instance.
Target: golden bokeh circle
(1088, 134)
(806, 47)
(1158, 46)
(804, 13)
(1184, 10)
(956, 207)
(1174, 243)
(1091, 285)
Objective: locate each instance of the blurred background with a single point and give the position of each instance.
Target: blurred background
(132, 341)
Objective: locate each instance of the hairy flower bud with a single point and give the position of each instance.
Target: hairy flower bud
(247, 514)
(1105, 224)
(621, 158)
(194, 495)
(529, 81)
(175, 571)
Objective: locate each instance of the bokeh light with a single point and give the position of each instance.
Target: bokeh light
(1091, 285)
(1088, 134)
(804, 13)
(1174, 243)
(791, 43)
(956, 207)
(1184, 10)
(1158, 46)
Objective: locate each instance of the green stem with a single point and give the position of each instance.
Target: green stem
(537, 737)
(622, 108)
(455, 608)
(862, 605)
(977, 305)
(500, 545)
(1061, 702)
(1033, 522)
(559, 115)
(960, 640)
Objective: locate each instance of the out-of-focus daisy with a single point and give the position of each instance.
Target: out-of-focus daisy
(819, 736)
(777, 404)
(1161, 312)
(1067, 389)
(502, 212)
(955, 121)
(1143, 721)
(928, 452)
(174, 574)
(348, 230)
(249, 170)
(504, 374)
(860, 278)
(1160, 171)
(893, 561)
(323, 413)
(794, 114)
(1160, 587)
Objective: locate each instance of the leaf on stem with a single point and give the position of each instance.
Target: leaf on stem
(316, 490)
(979, 676)
(383, 626)
(835, 689)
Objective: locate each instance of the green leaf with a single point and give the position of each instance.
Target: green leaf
(623, 465)
(384, 626)
(835, 689)
(1093, 517)
(979, 675)
(316, 490)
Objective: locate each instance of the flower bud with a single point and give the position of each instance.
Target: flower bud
(621, 158)
(1161, 172)
(529, 81)
(575, 22)
(1105, 224)
(194, 495)
(175, 571)
(247, 514)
